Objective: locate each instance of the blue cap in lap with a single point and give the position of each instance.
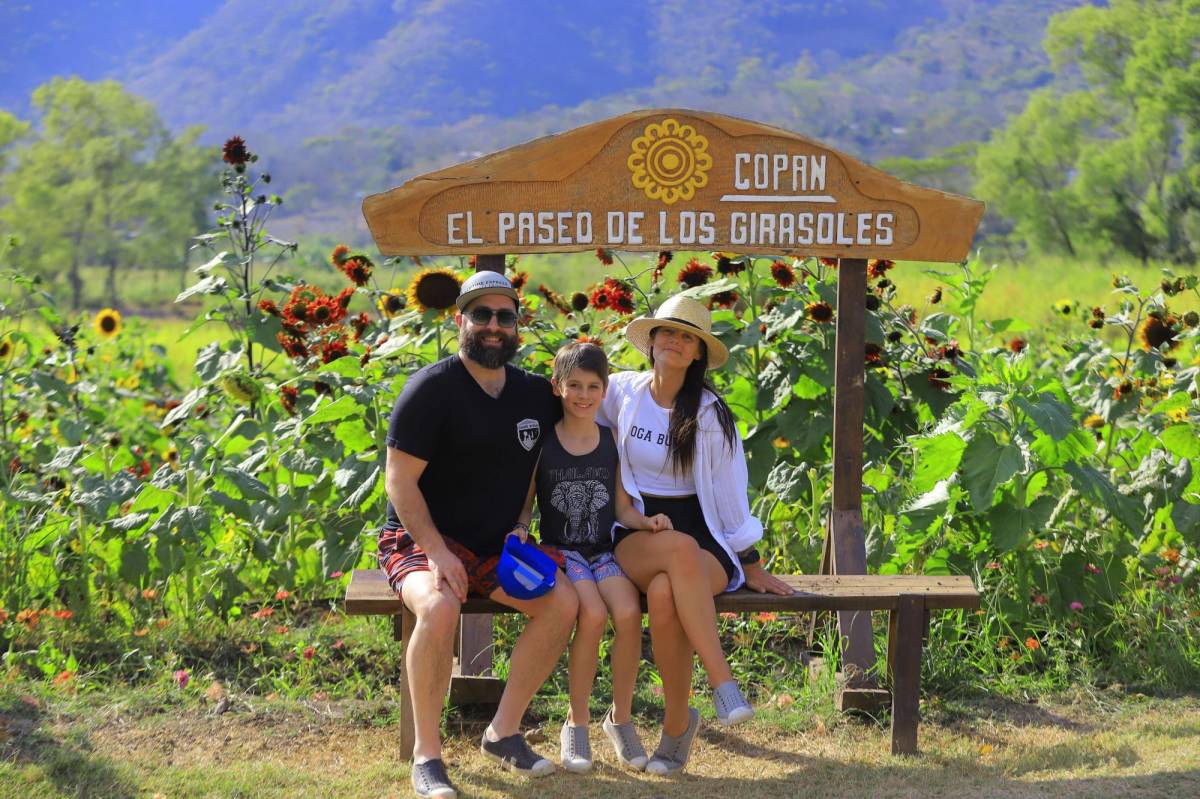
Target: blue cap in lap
(524, 571)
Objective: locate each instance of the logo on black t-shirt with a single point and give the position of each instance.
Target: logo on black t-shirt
(528, 433)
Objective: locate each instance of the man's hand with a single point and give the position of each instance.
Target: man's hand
(446, 567)
(521, 531)
(760, 580)
(659, 522)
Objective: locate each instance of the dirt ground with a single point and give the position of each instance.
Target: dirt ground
(1085, 746)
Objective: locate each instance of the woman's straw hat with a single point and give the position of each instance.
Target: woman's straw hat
(681, 313)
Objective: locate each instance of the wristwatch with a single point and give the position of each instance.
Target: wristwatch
(748, 556)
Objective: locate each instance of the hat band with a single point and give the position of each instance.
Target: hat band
(692, 325)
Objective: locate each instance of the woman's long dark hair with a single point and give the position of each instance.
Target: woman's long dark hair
(685, 419)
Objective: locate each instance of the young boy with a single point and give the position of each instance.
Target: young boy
(579, 492)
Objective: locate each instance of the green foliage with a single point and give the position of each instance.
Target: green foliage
(1062, 477)
(99, 180)
(1113, 166)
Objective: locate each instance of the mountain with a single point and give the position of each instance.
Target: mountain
(346, 97)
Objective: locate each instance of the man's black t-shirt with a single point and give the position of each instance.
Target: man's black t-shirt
(480, 449)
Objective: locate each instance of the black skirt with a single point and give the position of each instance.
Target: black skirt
(687, 517)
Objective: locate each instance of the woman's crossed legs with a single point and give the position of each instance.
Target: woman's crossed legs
(679, 580)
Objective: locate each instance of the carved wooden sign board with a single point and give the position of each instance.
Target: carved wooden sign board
(672, 179)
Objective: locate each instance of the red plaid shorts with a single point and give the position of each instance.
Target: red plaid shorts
(399, 556)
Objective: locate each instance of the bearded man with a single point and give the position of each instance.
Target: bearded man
(463, 440)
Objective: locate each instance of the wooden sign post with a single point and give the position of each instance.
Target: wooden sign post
(687, 180)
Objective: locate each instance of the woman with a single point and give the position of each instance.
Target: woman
(681, 456)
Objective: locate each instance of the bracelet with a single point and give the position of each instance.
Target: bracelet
(749, 556)
(523, 525)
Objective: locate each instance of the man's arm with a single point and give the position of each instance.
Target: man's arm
(400, 482)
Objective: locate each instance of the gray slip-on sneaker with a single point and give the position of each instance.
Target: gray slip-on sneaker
(429, 779)
(732, 708)
(625, 741)
(514, 753)
(672, 753)
(575, 748)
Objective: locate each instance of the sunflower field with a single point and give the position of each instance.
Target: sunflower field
(1061, 469)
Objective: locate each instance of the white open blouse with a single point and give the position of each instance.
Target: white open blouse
(722, 484)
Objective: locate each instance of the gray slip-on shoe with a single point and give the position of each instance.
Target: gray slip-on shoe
(514, 753)
(574, 748)
(672, 753)
(625, 741)
(732, 708)
(429, 779)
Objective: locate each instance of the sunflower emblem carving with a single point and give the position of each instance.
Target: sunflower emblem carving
(669, 161)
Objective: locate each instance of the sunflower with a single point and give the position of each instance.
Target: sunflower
(729, 263)
(819, 312)
(1159, 332)
(6, 348)
(784, 275)
(1017, 345)
(579, 301)
(107, 323)
(694, 274)
(1064, 307)
(241, 386)
(434, 290)
(1093, 421)
(878, 267)
(391, 302)
(723, 299)
(234, 152)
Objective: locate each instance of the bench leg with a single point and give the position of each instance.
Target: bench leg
(905, 633)
(403, 626)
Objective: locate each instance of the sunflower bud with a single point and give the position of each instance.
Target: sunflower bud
(241, 387)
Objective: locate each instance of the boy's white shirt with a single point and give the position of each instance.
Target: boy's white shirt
(722, 482)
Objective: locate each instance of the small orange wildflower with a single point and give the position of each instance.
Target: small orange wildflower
(1032, 644)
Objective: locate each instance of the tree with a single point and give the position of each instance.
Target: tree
(1114, 164)
(101, 182)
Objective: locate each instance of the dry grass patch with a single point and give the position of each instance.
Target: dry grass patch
(1084, 747)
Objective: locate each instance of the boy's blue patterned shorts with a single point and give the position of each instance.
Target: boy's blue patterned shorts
(597, 568)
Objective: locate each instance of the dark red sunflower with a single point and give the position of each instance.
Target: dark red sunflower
(695, 274)
(1158, 332)
(552, 297)
(357, 268)
(723, 299)
(604, 256)
(729, 264)
(819, 312)
(878, 267)
(579, 301)
(287, 398)
(339, 255)
(783, 273)
(234, 152)
(268, 307)
(1017, 344)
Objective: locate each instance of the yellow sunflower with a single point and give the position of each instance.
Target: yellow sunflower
(7, 348)
(391, 302)
(434, 290)
(107, 323)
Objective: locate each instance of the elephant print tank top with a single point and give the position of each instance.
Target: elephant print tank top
(577, 495)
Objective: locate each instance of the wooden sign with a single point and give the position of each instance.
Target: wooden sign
(672, 179)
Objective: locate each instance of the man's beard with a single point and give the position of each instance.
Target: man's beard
(484, 355)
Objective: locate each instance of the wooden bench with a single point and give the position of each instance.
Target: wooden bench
(907, 598)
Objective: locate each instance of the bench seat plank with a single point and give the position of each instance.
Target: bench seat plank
(369, 593)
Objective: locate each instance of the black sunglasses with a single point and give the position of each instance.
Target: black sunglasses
(504, 317)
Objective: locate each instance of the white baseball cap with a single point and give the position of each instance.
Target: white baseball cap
(485, 282)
